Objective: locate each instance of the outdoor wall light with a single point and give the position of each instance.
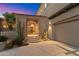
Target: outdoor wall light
(50, 30)
(50, 26)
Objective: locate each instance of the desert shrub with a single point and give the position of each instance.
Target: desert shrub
(3, 38)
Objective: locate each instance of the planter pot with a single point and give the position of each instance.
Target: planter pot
(2, 46)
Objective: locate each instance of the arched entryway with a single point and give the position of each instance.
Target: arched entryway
(32, 29)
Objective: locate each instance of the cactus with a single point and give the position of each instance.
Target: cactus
(20, 36)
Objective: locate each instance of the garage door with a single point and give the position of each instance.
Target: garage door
(68, 31)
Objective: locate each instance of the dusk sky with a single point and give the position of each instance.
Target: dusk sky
(24, 8)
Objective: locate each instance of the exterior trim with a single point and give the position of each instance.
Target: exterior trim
(30, 15)
(67, 20)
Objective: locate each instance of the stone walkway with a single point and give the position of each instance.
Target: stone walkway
(45, 48)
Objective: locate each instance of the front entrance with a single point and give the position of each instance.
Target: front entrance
(32, 30)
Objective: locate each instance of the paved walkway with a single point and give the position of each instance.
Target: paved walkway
(45, 48)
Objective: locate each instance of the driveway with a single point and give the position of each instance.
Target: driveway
(44, 48)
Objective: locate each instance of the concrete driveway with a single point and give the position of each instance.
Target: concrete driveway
(44, 48)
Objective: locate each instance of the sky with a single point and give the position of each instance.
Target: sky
(22, 8)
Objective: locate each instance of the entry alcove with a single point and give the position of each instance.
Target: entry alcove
(32, 29)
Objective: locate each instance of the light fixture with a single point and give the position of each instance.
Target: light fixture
(32, 25)
(50, 30)
(5, 26)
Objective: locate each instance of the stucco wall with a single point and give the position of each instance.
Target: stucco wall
(53, 8)
(42, 21)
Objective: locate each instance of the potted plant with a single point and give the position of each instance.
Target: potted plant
(3, 40)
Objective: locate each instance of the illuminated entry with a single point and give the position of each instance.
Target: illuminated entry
(32, 28)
